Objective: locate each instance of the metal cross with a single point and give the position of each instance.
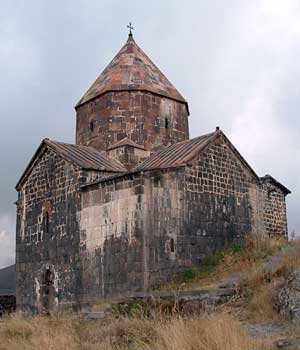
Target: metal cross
(130, 28)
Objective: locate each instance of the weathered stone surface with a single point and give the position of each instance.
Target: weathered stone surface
(288, 344)
(266, 329)
(47, 247)
(186, 302)
(149, 120)
(274, 207)
(289, 298)
(7, 304)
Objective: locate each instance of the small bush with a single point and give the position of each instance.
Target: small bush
(189, 275)
(212, 261)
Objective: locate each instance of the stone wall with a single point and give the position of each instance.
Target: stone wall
(47, 249)
(7, 304)
(147, 119)
(111, 238)
(127, 225)
(275, 218)
(138, 230)
(218, 202)
(129, 156)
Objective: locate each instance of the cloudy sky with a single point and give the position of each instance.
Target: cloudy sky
(235, 61)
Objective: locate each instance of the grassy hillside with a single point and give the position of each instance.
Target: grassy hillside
(7, 280)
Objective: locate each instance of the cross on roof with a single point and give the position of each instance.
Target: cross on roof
(130, 28)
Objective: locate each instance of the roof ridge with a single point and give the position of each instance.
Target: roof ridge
(124, 142)
(175, 154)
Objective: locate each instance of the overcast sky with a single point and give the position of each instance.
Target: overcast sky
(235, 61)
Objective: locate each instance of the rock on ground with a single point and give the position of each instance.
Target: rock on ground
(289, 298)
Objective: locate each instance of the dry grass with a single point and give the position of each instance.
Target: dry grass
(259, 306)
(63, 332)
(260, 284)
(18, 332)
(216, 332)
(238, 259)
(258, 275)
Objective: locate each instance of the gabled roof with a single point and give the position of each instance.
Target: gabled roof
(131, 69)
(82, 156)
(176, 154)
(269, 178)
(180, 153)
(126, 142)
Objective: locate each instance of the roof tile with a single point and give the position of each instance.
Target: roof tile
(131, 69)
(86, 157)
(176, 154)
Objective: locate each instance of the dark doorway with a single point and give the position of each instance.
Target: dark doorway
(48, 291)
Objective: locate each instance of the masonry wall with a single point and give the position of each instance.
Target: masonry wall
(47, 259)
(149, 120)
(199, 209)
(139, 230)
(111, 238)
(126, 228)
(275, 218)
(129, 156)
(220, 205)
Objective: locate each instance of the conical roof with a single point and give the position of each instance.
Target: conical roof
(131, 69)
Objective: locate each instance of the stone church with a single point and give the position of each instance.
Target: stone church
(134, 200)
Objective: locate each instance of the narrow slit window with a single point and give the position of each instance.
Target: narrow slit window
(92, 126)
(46, 222)
(48, 277)
(166, 123)
(172, 245)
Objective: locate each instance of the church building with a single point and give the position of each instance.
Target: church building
(134, 201)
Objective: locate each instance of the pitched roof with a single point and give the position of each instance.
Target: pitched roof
(126, 142)
(84, 157)
(180, 153)
(269, 178)
(176, 154)
(131, 69)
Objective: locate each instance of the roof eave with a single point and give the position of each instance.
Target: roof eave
(279, 184)
(47, 143)
(29, 166)
(131, 172)
(242, 159)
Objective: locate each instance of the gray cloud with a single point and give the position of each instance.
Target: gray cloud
(235, 62)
